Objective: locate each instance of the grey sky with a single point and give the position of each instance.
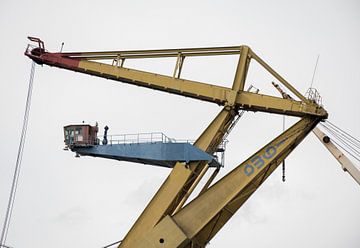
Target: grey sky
(67, 202)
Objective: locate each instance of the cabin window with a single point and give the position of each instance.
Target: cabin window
(78, 131)
(70, 136)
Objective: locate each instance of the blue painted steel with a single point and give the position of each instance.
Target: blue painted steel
(158, 153)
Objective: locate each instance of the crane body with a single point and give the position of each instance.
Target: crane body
(167, 221)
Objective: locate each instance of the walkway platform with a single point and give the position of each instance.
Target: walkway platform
(158, 150)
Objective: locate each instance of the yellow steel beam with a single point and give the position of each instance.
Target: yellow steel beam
(149, 56)
(202, 91)
(241, 70)
(198, 221)
(156, 53)
(277, 76)
(180, 183)
(232, 185)
(270, 104)
(217, 222)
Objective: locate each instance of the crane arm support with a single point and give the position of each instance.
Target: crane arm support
(158, 53)
(277, 76)
(217, 222)
(241, 70)
(201, 91)
(181, 181)
(228, 194)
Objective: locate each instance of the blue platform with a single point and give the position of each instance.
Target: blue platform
(157, 153)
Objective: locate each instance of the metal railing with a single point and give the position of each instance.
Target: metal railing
(159, 137)
(314, 95)
(155, 137)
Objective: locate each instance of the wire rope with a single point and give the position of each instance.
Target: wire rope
(342, 143)
(15, 180)
(343, 139)
(348, 136)
(109, 245)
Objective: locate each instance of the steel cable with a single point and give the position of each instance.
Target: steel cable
(346, 135)
(343, 140)
(352, 155)
(115, 243)
(18, 161)
(342, 131)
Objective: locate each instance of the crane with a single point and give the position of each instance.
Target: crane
(168, 220)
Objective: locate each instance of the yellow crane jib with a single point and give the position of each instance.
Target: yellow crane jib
(93, 63)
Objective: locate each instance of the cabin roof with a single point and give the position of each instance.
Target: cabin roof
(77, 125)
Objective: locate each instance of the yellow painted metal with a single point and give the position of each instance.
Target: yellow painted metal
(231, 186)
(277, 76)
(166, 228)
(156, 53)
(234, 96)
(202, 91)
(178, 66)
(202, 218)
(160, 205)
(214, 226)
(210, 180)
(180, 183)
(241, 70)
(269, 104)
(198, 177)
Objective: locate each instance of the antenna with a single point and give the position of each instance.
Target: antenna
(317, 61)
(62, 46)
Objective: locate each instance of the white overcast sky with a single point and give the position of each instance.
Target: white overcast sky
(63, 201)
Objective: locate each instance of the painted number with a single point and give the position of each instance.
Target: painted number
(258, 161)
